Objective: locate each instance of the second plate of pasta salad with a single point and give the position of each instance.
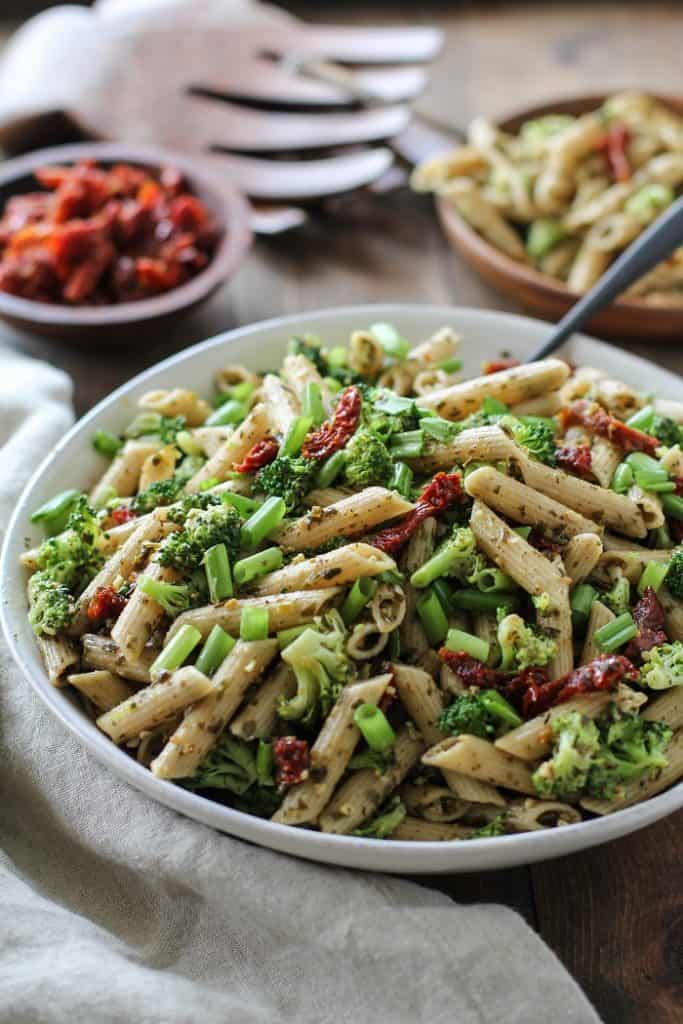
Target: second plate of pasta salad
(362, 595)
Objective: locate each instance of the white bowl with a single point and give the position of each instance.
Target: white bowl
(261, 346)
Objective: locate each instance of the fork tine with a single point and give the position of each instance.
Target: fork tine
(302, 179)
(231, 126)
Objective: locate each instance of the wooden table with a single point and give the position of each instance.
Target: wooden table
(614, 915)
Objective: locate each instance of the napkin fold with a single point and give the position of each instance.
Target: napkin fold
(115, 909)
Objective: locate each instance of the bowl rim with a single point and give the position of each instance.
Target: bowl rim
(229, 206)
(346, 851)
(522, 273)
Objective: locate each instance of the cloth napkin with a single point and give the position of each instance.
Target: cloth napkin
(115, 909)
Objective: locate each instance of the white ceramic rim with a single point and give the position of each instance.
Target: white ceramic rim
(345, 851)
(227, 256)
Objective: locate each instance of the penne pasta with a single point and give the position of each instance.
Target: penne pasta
(331, 569)
(153, 704)
(354, 515)
(470, 755)
(233, 450)
(510, 386)
(284, 611)
(104, 689)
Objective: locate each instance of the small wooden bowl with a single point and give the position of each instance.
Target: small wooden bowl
(121, 321)
(545, 296)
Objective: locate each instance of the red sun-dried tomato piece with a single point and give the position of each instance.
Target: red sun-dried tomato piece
(496, 365)
(292, 760)
(263, 453)
(106, 603)
(123, 514)
(613, 144)
(444, 490)
(576, 459)
(648, 616)
(594, 418)
(603, 673)
(334, 433)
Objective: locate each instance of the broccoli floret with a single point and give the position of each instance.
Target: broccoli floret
(72, 558)
(485, 714)
(522, 646)
(497, 827)
(387, 821)
(457, 556)
(153, 424)
(170, 427)
(663, 666)
(618, 599)
(385, 413)
(576, 743)
(174, 598)
(666, 430)
(51, 604)
(289, 477)
(534, 433)
(162, 492)
(322, 668)
(379, 761)
(182, 508)
(674, 576)
(203, 528)
(230, 765)
(597, 757)
(367, 460)
(310, 347)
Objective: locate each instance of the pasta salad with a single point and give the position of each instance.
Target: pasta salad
(567, 194)
(365, 596)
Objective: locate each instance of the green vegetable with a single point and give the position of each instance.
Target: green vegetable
(330, 469)
(296, 435)
(182, 508)
(597, 757)
(622, 479)
(289, 477)
(106, 443)
(522, 646)
(161, 492)
(673, 505)
(407, 444)
(618, 599)
(663, 666)
(485, 714)
(52, 606)
(674, 576)
(379, 761)
(475, 601)
(174, 598)
(309, 346)
(243, 505)
(264, 763)
(374, 727)
(229, 765)
(230, 412)
(543, 236)
(496, 827)
(176, 652)
(385, 823)
(653, 575)
(432, 617)
(648, 202)
(582, 598)
(616, 633)
(204, 528)
(357, 598)
(264, 521)
(72, 557)
(457, 557)
(250, 568)
(391, 341)
(322, 667)
(367, 460)
(441, 430)
(535, 433)
(53, 515)
(254, 624)
(458, 640)
(401, 479)
(166, 428)
(217, 647)
(217, 569)
(541, 128)
(312, 403)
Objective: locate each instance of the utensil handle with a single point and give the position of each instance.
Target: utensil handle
(654, 245)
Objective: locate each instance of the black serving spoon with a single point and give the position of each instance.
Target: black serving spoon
(654, 245)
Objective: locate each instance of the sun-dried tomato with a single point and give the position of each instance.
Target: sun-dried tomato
(444, 490)
(678, 481)
(648, 616)
(676, 530)
(539, 539)
(577, 460)
(260, 455)
(105, 604)
(334, 433)
(603, 673)
(613, 144)
(292, 760)
(103, 235)
(471, 671)
(594, 418)
(496, 365)
(123, 514)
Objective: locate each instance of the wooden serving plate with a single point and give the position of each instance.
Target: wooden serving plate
(542, 295)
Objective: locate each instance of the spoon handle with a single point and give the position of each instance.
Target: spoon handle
(656, 243)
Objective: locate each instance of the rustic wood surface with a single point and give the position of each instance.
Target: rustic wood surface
(614, 915)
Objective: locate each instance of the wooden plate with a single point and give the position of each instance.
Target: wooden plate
(543, 295)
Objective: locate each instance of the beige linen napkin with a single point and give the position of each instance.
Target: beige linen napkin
(115, 909)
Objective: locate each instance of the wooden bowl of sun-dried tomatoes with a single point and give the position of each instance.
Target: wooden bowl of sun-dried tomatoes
(100, 237)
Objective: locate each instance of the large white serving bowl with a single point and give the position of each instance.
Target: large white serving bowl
(73, 463)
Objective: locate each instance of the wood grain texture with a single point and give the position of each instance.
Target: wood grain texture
(614, 915)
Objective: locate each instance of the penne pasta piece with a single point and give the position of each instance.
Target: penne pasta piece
(470, 755)
(105, 689)
(233, 450)
(365, 790)
(533, 739)
(673, 613)
(649, 505)
(565, 150)
(415, 830)
(210, 439)
(101, 652)
(202, 725)
(284, 611)
(533, 815)
(58, 655)
(442, 345)
(330, 754)
(604, 460)
(642, 789)
(599, 616)
(436, 171)
(543, 405)
(123, 474)
(152, 705)
(233, 374)
(510, 386)
(333, 568)
(366, 355)
(158, 466)
(581, 555)
(281, 403)
(483, 216)
(485, 444)
(523, 504)
(668, 709)
(433, 803)
(669, 407)
(589, 265)
(298, 371)
(177, 402)
(351, 516)
(603, 506)
(258, 717)
(142, 615)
